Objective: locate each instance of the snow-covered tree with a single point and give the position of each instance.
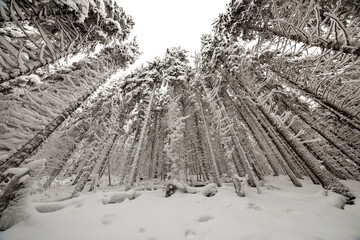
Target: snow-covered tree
(37, 33)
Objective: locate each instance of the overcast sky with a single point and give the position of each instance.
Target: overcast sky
(160, 24)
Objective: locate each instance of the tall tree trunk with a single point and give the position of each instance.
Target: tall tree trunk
(216, 175)
(135, 164)
(104, 162)
(30, 148)
(326, 179)
(345, 149)
(285, 159)
(241, 152)
(270, 155)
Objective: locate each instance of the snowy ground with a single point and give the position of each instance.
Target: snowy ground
(281, 212)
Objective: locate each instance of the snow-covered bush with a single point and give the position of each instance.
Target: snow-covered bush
(13, 198)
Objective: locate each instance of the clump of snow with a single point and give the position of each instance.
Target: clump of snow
(36, 165)
(281, 212)
(120, 197)
(81, 7)
(16, 171)
(209, 190)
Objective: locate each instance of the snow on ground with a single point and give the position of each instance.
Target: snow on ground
(281, 212)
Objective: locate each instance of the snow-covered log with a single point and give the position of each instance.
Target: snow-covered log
(175, 185)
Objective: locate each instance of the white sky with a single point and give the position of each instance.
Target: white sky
(160, 24)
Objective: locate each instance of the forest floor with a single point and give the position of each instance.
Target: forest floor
(281, 212)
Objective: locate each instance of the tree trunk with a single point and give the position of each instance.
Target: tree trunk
(135, 164)
(326, 179)
(216, 175)
(241, 152)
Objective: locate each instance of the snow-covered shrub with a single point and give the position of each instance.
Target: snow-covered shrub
(13, 198)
